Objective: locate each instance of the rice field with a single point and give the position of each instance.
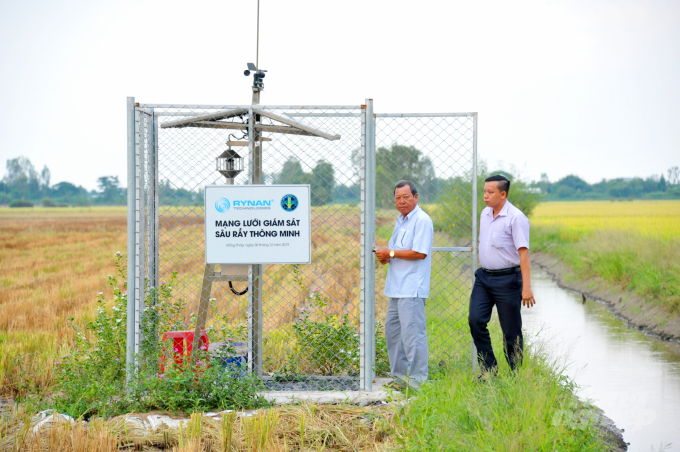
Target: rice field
(53, 262)
(648, 218)
(630, 245)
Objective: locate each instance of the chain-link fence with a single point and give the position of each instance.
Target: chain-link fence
(438, 153)
(307, 326)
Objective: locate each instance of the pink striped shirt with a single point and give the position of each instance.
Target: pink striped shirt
(501, 237)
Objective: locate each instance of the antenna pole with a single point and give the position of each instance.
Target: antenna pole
(256, 90)
(257, 270)
(257, 49)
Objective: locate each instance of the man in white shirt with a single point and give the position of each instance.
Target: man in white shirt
(505, 277)
(408, 285)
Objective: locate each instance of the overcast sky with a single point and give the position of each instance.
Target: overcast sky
(561, 87)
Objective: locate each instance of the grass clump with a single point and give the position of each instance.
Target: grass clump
(533, 408)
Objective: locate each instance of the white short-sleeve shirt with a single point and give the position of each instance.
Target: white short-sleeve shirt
(500, 238)
(411, 278)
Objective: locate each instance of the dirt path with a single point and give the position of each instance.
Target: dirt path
(636, 311)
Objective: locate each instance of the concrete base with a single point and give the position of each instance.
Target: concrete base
(351, 397)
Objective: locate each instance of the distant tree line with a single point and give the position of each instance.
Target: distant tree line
(24, 185)
(574, 188)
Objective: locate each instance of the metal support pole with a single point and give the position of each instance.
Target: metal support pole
(131, 178)
(474, 220)
(203, 307)
(141, 120)
(257, 271)
(156, 212)
(368, 191)
(152, 203)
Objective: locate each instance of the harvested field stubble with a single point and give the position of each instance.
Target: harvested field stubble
(286, 428)
(53, 262)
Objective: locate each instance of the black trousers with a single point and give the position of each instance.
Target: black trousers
(505, 292)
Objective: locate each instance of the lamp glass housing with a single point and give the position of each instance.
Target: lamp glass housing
(229, 164)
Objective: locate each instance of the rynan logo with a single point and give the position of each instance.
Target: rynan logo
(222, 205)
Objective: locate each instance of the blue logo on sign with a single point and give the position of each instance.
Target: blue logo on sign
(222, 205)
(289, 203)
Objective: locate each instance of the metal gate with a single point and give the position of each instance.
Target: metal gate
(305, 326)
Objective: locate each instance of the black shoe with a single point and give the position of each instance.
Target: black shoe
(485, 376)
(395, 385)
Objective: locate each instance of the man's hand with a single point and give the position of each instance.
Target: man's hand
(383, 255)
(525, 265)
(528, 297)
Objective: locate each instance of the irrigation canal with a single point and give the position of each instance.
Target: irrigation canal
(633, 377)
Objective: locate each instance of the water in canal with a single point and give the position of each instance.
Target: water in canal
(633, 377)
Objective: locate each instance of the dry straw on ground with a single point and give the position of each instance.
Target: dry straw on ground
(288, 428)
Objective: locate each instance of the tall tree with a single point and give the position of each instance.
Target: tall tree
(399, 162)
(323, 183)
(110, 190)
(22, 178)
(292, 173)
(45, 177)
(673, 176)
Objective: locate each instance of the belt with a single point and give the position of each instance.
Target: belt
(502, 271)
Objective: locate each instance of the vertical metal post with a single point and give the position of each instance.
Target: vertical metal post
(140, 233)
(257, 271)
(152, 209)
(368, 191)
(474, 220)
(156, 210)
(152, 204)
(363, 255)
(131, 178)
(203, 306)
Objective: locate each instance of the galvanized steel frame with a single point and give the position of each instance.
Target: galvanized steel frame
(143, 214)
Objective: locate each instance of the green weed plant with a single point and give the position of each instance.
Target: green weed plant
(92, 380)
(327, 342)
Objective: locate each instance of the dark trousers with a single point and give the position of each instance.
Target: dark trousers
(506, 293)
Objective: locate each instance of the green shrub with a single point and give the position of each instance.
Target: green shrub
(21, 203)
(92, 379)
(328, 343)
(47, 202)
(382, 361)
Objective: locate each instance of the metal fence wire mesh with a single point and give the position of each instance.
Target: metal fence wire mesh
(303, 326)
(437, 153)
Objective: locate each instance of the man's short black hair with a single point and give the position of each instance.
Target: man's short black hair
(503, 183)
(404, 183)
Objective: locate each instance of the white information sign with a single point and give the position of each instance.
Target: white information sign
(258, 224)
